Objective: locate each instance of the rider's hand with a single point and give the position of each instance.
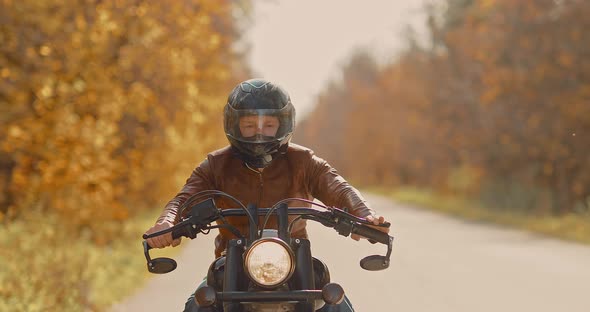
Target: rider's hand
(163, 240)
(375, 221)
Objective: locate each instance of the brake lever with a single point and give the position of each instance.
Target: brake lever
(325, 218)
(343, 223)
(337, 212)
(182, 228)
(344, 228)
(384, 224)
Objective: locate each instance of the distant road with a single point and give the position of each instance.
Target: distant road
(438, 264)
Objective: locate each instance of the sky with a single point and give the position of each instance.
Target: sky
(303, 44)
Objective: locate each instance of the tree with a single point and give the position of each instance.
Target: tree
(99, 98)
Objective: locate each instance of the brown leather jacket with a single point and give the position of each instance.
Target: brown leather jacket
(297, 173)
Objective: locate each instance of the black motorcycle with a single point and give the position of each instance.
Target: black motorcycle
(266, 269)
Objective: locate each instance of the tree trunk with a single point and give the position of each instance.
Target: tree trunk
(6, 166)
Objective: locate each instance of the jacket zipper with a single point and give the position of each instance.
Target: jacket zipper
(261, 189)
(261, 184)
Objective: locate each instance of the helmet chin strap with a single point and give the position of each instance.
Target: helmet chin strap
(260, 162)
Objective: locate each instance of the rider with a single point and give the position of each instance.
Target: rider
(261, 166)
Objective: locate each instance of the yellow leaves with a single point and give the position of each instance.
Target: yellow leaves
(203, 20)
(77, 40)
(119, 212)
(192, 91)
(44, 50)
(152, 34)
(143, 101)
(19, 179)
(100, 121)
(198, 118)
(80, 22)
(110, 120)
(5, 73)
(45, 92)
(79, 85)
(140, 10)
(183, 61)
(106, 21)
(214, 41)
(15, 132)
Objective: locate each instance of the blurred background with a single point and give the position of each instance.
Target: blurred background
(477, 108)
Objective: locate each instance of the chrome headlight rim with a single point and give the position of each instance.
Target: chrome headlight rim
(274, 240)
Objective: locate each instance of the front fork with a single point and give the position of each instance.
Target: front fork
(234, 272)
(303, 278)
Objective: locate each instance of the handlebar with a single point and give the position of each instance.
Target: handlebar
(344, 222)
(204, 213)
(371, 234)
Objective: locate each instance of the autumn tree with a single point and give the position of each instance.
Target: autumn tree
(494, 107)
(529, 64)
(106, 105)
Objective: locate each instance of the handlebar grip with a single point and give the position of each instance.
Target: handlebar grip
(371, 234)
(180, 232)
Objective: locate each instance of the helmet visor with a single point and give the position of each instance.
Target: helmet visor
(259, 125)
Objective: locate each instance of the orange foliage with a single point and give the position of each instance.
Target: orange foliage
(105, 106)
(499, 99)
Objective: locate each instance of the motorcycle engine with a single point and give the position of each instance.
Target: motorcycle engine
(269, 307)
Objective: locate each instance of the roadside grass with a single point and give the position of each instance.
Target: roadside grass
(572, 227)
(44, 267)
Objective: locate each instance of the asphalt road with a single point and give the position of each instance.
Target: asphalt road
(438, 264)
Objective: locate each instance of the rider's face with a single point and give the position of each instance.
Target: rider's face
(253, 125)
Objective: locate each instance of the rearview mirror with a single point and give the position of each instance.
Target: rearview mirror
(161, 265)
(158, 265)
(375, 263)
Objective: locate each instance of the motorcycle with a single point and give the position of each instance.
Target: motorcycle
(265, 269)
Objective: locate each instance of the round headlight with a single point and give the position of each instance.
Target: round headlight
(269, 262)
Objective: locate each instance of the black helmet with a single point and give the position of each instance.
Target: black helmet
(267, 117)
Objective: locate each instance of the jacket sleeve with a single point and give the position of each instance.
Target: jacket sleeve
(201, 179)
(333, 190)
